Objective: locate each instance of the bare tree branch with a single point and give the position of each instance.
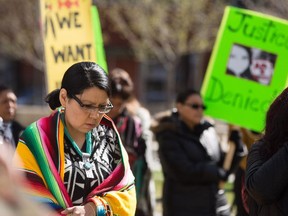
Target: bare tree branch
(20, 31)
(162, 29)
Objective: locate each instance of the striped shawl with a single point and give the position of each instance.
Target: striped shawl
(41, 152)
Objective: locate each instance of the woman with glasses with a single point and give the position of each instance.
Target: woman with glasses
(192, 160)
(74, 160)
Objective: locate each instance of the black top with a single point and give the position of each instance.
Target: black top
(266, 182)
(191, 175)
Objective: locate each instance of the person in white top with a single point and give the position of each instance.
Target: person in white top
(10, 129)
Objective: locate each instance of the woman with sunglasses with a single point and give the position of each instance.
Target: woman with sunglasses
(74, 160)
(192, 160)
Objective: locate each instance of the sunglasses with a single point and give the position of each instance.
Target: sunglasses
(196, 106)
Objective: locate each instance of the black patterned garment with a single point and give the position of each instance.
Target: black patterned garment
(130, 130)
(104, 157)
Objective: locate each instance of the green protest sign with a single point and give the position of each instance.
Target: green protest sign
(99, 45)
(247, 69)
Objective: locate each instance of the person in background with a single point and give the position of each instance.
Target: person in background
(248, 137)
(10, 129)
(192, 160)
(74, 160)
(148, 197)
(266, 178)
(134, 138)
(135, 108)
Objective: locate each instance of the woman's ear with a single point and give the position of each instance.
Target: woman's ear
(63, 98)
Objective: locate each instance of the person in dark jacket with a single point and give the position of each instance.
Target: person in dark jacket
(266, 178)
(248, 137)
(9, 128)
(192, 160)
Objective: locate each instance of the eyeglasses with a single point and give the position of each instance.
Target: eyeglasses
(196, 106)
(90, 108)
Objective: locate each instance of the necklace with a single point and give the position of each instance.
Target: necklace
(86, 164)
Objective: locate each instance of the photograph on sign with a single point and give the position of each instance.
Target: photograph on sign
(251, 63)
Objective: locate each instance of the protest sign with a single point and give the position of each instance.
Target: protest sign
(68, 33)
(247, 68)
(99, 45)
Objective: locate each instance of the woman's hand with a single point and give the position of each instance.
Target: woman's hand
(74, 211)
(89, 209)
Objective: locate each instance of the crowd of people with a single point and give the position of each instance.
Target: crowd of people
(93, 154)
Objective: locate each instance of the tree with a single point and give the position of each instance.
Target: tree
(278, 8)
(164, 30)
(20, 36)
(160, 30)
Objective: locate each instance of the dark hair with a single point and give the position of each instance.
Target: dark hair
(246, 73)
(77, 78)
(4, 87)
(182, 96)
(121, 84)
(276, 128)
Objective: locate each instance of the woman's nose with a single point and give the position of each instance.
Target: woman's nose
(94, 114)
